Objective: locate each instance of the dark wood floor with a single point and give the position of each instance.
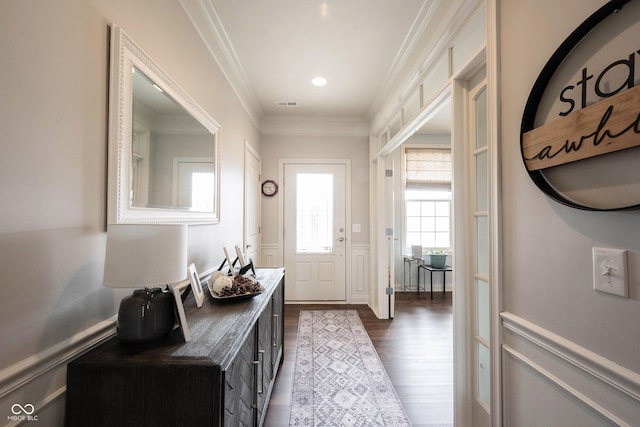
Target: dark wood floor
(416, 349)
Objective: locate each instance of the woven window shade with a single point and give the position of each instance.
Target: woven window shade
(428, 168)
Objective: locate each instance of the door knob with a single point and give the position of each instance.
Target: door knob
(341, 239)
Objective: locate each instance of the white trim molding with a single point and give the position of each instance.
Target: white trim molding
(359, 277)
(270, 255)
(564, 387)
(314, 126)
(613, 375)
(41, 379)
(207, 23)
(25, 371)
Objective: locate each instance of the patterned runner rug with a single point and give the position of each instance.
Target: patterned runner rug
(339, 379)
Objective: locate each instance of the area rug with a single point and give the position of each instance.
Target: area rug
(339, 379)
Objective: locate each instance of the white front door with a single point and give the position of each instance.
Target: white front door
(315, 231)
(252, 203)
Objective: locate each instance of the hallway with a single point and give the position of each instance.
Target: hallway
(416, 349)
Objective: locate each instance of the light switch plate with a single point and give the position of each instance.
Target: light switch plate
(610, 271)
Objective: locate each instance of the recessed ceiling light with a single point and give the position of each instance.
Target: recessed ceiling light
(324, 9)
(319, 81)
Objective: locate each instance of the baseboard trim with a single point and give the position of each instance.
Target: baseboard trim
(25, 371)
(295, 302)
(359, 299)
(574, 394)
(622, 379)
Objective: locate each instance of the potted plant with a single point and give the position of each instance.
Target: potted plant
(438, 258)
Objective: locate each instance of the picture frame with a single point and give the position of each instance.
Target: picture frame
(240, 257)
(245, 265)
(196, 285)
(182, 319)
(232, 270)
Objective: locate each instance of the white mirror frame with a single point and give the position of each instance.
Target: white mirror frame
(125, 54)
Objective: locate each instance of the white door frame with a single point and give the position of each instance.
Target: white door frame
(249, 151)
(347, 192)
(462, 269)
(495, 203)
(464, 383)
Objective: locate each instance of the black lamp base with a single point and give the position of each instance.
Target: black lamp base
(146, 315)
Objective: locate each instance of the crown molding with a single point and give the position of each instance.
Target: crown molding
(408, 48)
(390, 100)
(207, 23)
(406, 69)
(314, 126)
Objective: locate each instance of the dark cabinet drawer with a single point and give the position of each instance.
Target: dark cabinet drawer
(223, 376)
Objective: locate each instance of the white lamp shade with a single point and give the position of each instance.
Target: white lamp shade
(145, 255)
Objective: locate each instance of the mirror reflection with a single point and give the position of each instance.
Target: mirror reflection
(172, 155)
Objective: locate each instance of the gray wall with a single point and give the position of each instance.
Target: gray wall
(277, 147)
(53, 122)
(547, 256)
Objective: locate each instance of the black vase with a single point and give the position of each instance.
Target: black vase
(146, 315)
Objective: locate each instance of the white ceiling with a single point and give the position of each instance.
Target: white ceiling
(271, 49)
(282, 44)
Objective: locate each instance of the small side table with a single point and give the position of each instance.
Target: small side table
(410, 260)
(431, 270)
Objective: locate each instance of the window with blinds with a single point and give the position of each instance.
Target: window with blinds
(428, 168)
(428, 173)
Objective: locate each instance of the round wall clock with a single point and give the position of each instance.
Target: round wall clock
(269, 188)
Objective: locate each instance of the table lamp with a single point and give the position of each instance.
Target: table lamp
(145, 256)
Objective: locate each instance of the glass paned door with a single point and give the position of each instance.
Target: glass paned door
(315, 231)
(482, 281)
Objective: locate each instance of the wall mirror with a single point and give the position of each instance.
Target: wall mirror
(163, 147)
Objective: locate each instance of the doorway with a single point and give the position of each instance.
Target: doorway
(252, 203)
(474, 235)
(315, 211)
(422, 216)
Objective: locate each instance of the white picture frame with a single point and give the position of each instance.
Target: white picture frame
(232, 270)
(196, 285)
(182, 318)
(240, 257)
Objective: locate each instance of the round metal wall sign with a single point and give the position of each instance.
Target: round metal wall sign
(580, 130)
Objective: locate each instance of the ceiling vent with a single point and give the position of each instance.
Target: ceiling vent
(287, 103)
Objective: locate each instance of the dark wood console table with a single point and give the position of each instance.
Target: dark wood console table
(222, 377)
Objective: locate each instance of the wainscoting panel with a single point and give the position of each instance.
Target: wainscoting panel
(358, 285)
(574, 385)
(270, 256)
(33, 389)
(530, 388)
(357, 271)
